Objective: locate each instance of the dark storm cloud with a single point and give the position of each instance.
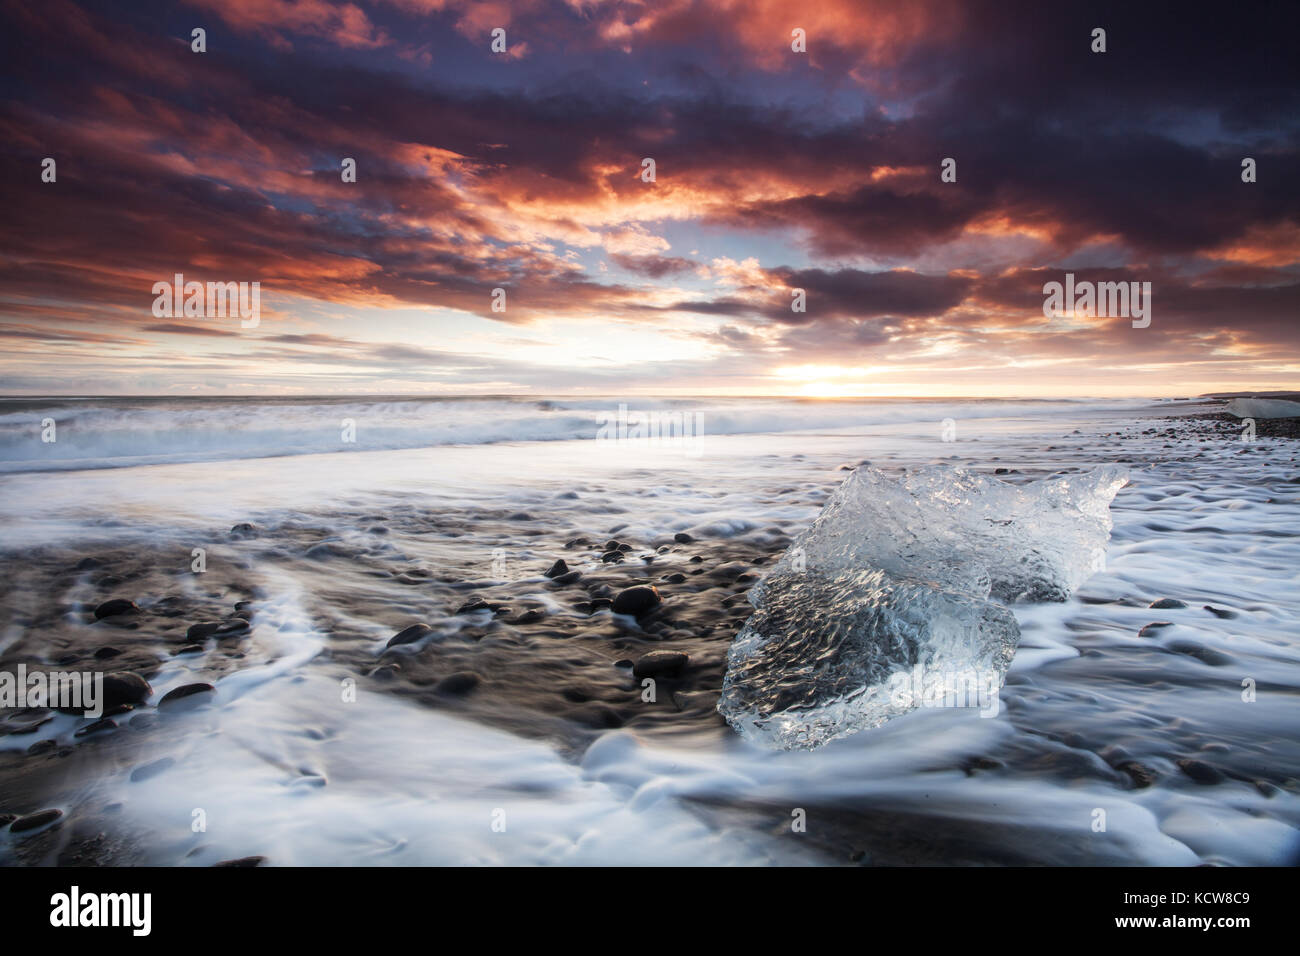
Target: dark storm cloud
(478, 173)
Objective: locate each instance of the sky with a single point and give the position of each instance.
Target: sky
(522, 170)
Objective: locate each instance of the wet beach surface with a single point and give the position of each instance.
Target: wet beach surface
(448, 621)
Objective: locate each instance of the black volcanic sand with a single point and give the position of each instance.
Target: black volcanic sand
(1222, 425)
(559, 668)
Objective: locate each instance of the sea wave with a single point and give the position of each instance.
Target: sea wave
(113, 433)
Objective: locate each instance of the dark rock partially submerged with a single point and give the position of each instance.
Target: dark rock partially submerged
(660, 663)
(637, 600)
(410, 635)
(184, 692)
(114, 608)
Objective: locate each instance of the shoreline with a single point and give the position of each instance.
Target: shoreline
(543, 658)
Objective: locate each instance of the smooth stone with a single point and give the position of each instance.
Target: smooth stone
(681, 537)
(636, 600)
(106, 653)
(243, 861)
(190, 649)
(1221, 613)
(33, 820)
(461, 682)
(185, 691)
(104, 723)
(1201, 772)
(42, 747)
(125, 687)
(478, 604)
(1154, 628)
(567, 578)
(232, 627)
(35, 725)
(115, 607)
(612, 544)
(1202, 653)
(219, 629)
(1141, 775)
(611, 557)
(1166, 604)
(556, 569)
(409, 635)
(658, 663)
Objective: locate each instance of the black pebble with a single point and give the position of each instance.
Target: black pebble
(461, 682)
(1141, 775)
(124, 687)
(1221, 613)
(658, 663)
(104, 723)
(34, 820)
(115, 607)
(184, 691)
(409, 635)
(636, 601)
(1201, 772)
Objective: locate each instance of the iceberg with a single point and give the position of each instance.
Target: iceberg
(1263, 408)
(896, 597)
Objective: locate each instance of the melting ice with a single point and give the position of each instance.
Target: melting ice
(902, 578)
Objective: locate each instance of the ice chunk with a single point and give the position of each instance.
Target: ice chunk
(1263, 408)
(886, 601)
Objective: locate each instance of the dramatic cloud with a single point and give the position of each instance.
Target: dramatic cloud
(504, 232)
